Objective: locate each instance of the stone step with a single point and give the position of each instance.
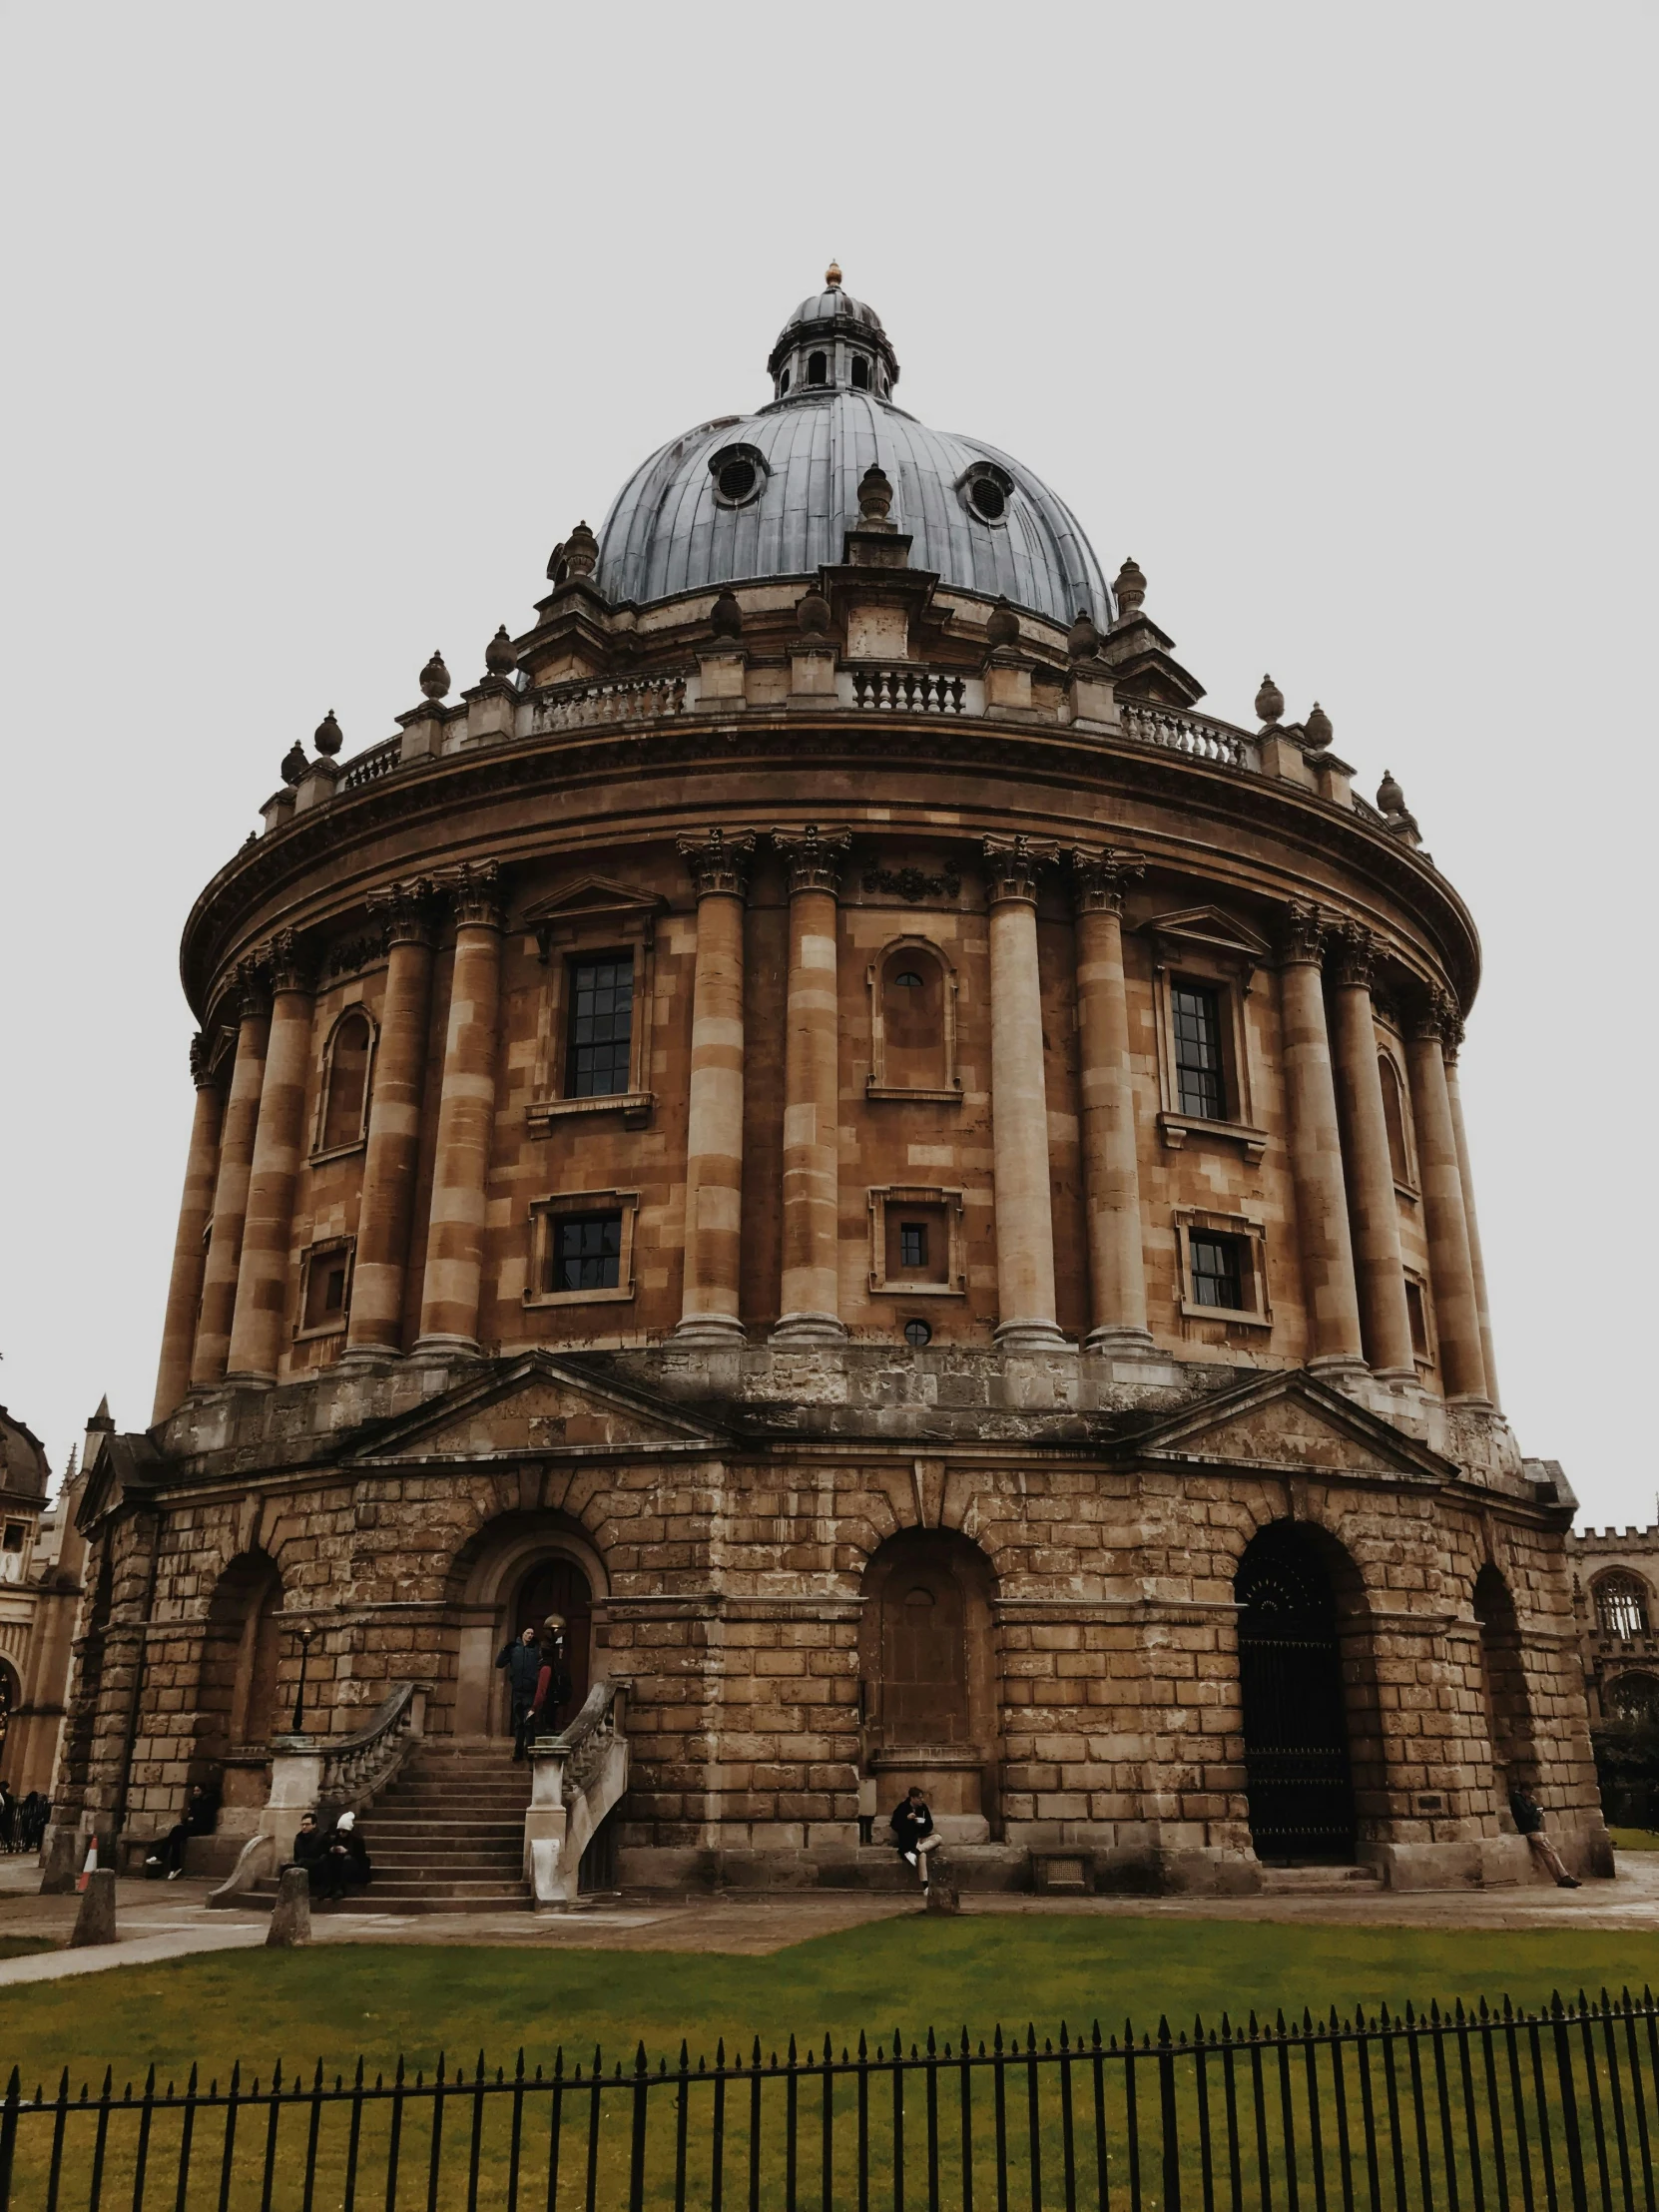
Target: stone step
(1317, 1881)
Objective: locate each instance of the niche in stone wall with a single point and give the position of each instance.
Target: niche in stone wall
(913, 1023)
(927, 1668)
(238, 1705)
(1503, 1683)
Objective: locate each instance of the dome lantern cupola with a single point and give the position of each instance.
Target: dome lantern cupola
(833, 343)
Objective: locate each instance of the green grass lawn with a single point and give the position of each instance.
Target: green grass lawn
(20, 1947)
(1634, 1839)
(335, 2001)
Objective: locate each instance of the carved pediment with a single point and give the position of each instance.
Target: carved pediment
(539, 1404)
(117, 1467)
(1289, 1424)
(594, 904)
(1211, 928)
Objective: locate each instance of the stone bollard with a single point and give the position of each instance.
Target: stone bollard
(95, 1921)
(942, 1892)
(290, 1915)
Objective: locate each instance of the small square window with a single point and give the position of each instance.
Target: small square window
(601, 1027)
(586, 1253)
(1216, 1268)
(328, 1280)
(913, 1244)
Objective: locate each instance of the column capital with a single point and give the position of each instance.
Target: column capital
(718, 861)
(814, 856)
(1100, 878)
(1302, 934)
(409, 911)
(1356, 950)
(1011, 867)
(475, 895)
(286, 964)
(203, 1072)
(248, 992)
(1435, 1015)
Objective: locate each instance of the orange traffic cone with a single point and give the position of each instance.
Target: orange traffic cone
(91, 1867)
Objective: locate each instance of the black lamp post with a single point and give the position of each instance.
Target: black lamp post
(305, 1635)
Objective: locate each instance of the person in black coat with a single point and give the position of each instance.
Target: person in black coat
(200, 1819)
(553, 1680)
(521, 1657)
(912, 1832)
(309, 1843)
(342, 1862)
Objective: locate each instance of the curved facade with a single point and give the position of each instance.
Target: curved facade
(912, 1178)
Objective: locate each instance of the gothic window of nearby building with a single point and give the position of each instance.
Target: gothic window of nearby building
(342, 1112)
(598, 1054)
(324, 1286)
(912, 1018)
(1220, 1268)
(1393, 1115)
(1621, 1606)
(1633, 1697)
(915, 1238)
(582, 1248)
(1199, 1072)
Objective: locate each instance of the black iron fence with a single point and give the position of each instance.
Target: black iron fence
(1547, 2112)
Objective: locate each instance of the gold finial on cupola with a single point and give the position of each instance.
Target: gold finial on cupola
(833, 276)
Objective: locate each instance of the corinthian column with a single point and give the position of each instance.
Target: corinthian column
(1111, 1169)
(262, 1276)
(1451, 1263)
(1373, 1210)
(453, 1283)
(1333, 1339)
(1477, 1265)
(236, 1162)
(714, 1120)
(811, 1093)
(184, 1290)
(375, 1322)
(1019, 1103)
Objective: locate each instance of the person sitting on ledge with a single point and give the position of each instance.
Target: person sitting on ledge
(912, 1832)
(343, 1864)
(309, 1843)
(1530, 1819)
(200, 1819)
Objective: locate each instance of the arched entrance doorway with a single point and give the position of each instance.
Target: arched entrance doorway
(1504, 1684)
(555, 1583)
(517, 1570)
(1295, 1709)
(241, 1657)
(927, 1690)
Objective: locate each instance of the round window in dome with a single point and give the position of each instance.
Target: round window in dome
(739, 474)
(986, 492)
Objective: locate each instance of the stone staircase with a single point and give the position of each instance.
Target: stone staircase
(447, 1835)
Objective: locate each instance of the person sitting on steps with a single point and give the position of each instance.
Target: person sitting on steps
(912, 1832)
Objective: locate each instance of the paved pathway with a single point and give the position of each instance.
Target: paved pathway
(157, 1922)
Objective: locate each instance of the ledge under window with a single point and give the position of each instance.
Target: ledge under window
(1175, 1129)
(634, 1107)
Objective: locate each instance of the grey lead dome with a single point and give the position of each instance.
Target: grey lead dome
(674, 529)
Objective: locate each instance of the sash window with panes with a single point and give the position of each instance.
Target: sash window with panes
(599, 1048)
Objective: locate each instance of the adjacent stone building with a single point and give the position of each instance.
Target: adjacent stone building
(41, 1556)
(1616, 1588)
(823, 1121)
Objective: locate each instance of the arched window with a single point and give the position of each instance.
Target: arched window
(913, 1023)
(345, 1082)
(1633, 1697)
(860, 372)
(1621, 1606)
(1394, 1113)
(784, 382)
(817, 368)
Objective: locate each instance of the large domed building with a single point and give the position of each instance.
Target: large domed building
(821, 1123)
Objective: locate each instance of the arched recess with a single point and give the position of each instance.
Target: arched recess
(1504, 1684)
(929, 1703)
(1312, 1754)
(1396, 1121)
(238, 1700)
(912, 1023)
(1632, 1696)
(348, 1071)
(508, 1576)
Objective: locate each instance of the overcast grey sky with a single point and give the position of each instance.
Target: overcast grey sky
(325, 322)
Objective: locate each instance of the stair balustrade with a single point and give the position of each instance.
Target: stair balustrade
(577, 1778)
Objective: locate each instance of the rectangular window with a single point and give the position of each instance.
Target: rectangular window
(325, 1290)
(586, 1252)
(1418, 1309)
(1217, 1265)
(601, 1027)
(1199, 1081)
(913, 1244)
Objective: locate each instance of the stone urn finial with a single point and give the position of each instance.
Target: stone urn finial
(499, 657)
(874, 496)
(434, 677)
(1003, 627)
(832, 276)
(1270, 701)
(1130, 589)
(1084, 639)
(726, 616)
(294, 763)
(581, 551)
(813, 615)
(1390, 799)
(330, 736)
(1317, 728)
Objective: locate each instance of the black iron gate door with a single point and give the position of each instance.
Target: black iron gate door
(1295, 1717)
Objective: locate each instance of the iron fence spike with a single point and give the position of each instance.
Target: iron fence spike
(641, 2064)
